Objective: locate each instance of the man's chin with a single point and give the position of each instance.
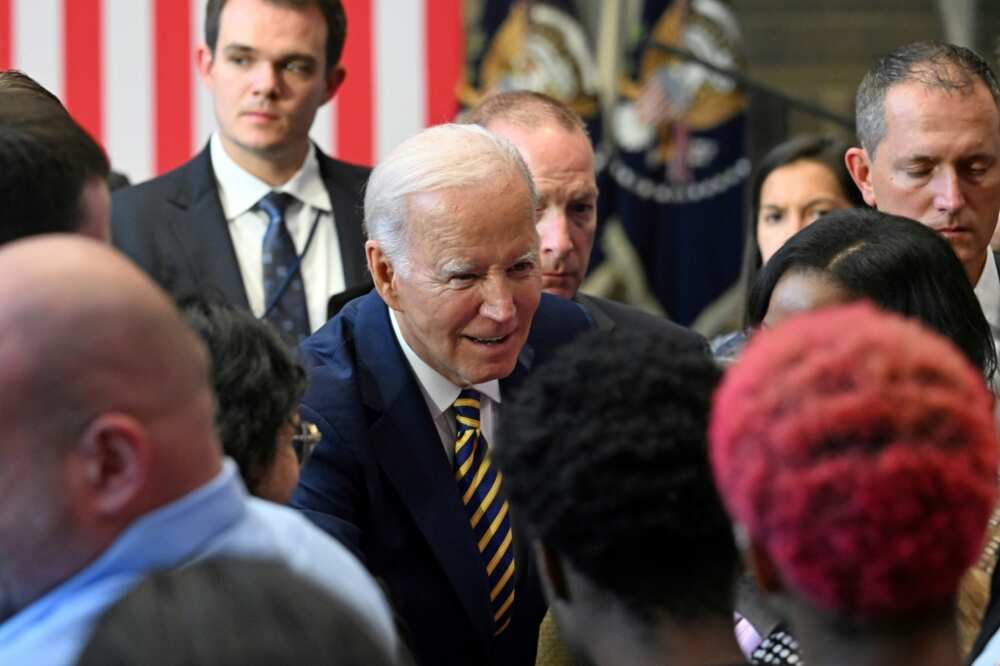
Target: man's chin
(564, 287)
(490, 366)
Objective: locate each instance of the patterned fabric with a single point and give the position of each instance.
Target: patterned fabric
(778, 648)
(480, 484)
(284, 297)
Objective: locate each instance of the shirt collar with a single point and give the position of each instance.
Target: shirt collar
(988, 291)
(440, 391)
(239, 190)
(180, 530)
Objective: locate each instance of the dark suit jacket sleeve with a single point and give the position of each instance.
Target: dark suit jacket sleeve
(611, 315)
(331, 490)
(132, 237)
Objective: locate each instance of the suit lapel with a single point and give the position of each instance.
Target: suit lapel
(346, 217)
(409, 452)
(201, 232)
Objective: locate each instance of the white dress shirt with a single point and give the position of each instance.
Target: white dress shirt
(322, 267)
(988, 294)
(439, 394)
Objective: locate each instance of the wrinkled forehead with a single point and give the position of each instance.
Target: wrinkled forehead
(489, 220)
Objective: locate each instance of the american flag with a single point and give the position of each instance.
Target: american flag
(125, 70)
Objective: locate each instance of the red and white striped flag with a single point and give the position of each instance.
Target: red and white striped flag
(125, 69)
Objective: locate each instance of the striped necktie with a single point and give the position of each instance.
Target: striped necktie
(480, 484)
(284, 292)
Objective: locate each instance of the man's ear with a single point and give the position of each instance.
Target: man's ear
(203, 60)
(552, 571)
(757, 562)
(116, 456)
(334, 79)
(860, 168)
(383, 273)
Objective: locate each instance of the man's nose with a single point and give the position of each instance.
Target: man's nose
(553, 233)
(498, 299)
(265, 78)
(948, 195)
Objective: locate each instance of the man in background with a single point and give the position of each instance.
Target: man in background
(261, 218)
(553, 141)
(928, 120)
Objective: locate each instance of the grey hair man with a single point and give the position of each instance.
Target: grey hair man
(553, 140)
(406, 386)
(110, 466)
(928, 120)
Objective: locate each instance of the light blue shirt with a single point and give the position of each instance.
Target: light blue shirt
(990, 655)
(219, 518)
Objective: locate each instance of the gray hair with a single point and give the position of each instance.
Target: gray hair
(439, 157)
(932, 64)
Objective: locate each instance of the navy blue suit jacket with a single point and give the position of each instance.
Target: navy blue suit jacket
(174, 228)
(380, 481)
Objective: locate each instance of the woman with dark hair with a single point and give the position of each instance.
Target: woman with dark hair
(795, 183)
(861, 253)
(258, 385)
(798, 181)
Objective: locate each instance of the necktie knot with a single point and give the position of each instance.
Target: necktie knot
(466, 408)
(274, 205)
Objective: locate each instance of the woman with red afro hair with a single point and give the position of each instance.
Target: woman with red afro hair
(856, 454)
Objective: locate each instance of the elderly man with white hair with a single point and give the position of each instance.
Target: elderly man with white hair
(406, 385)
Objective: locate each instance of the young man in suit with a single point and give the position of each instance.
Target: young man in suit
(406, 385)
(260, 218)
(553, 140)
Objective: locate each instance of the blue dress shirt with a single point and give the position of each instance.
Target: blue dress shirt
(219, 518)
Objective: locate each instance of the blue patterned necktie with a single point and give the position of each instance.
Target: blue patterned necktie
(284, 299)
(481, 486)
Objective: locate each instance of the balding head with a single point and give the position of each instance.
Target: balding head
(553, 141)
(105, 408)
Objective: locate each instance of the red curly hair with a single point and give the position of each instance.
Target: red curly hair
(858, 449)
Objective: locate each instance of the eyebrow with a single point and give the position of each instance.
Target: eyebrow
(820, 200)
(284, 57)
(457, 267)
(530, 255)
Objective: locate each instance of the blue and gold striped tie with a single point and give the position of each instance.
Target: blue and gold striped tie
(481, 486)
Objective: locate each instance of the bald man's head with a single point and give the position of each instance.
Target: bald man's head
(105, 407)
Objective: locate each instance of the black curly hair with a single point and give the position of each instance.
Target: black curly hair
(604, 456)
(257, 383)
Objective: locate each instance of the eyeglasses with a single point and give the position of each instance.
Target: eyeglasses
(304, 440)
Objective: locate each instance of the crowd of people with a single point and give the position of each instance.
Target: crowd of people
(272, 407)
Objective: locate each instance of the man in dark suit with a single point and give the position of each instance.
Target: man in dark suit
(261, 218)
(553, 140)
(406, 385)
